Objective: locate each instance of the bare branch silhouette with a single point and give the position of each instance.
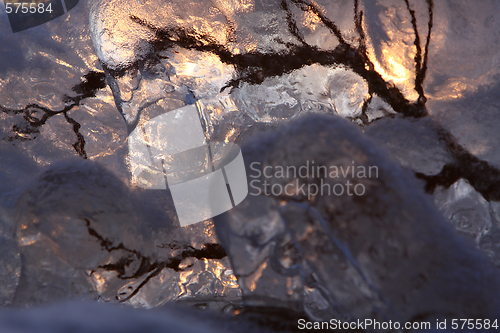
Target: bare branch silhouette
(292, 24)
(421, 66)
(358, 22)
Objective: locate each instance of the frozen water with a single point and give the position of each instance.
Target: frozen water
(10, 270)
(77, 225)
(466, 209)
(44, 66)
(489, 243)
(415, 144)
(473, 120)
(244, 26)
(372, 253)
(263, 256)
(249, 66)
(66, 224)
(309, 89)
(143, 73)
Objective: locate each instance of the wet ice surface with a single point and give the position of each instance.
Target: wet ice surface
(249, 67)
(368, 254)
(81, 234)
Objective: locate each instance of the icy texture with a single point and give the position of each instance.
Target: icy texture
(469, 35)
(465, 208)
(71, 112)
(262, 254)
(80, 234)
(68, 201)
(309, 89)
(44, 116)
(415, 144)
(244, 26)
(277, 61)
(10, 270)
(473, 120)
(489, 243)
(144, 70)
(386, 254)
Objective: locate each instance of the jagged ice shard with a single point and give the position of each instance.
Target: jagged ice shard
(420, 78)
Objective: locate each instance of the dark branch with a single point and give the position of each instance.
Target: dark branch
(421, 75)
(421, 66)
(292, 24)
(93, 81)
(484, 177)
(255, 67)
(358, 23)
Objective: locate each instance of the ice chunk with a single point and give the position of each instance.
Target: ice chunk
(262, 255)
(319, 89)
(371, 250)
(378, 108)
(465, 208)
(279, 60)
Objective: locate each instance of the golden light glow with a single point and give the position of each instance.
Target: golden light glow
(310, 20)
(393, 68)
(252, 283)
(454, 89)
(26, 241)
(54, 59)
